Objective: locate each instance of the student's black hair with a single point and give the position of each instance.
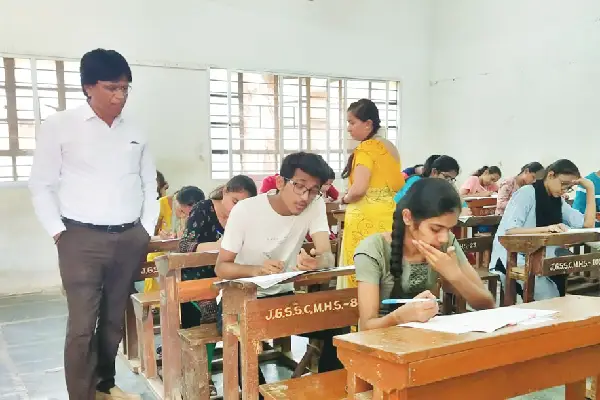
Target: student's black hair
(312, 164)
(189, 195)
(491, 170)
(237, 184)
(364, 110)
(103, 65)
(418, 165)
(331, 173)
(160, 182)
(441, 164)
(563, 167)
(533, 167)
(426, 198)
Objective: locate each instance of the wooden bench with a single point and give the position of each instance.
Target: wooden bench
(132, 335)
(325, 386)
(249, 320)
(417, 364)
(173, 291)
(536, 263)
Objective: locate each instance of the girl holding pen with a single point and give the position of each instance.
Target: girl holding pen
(408, 261)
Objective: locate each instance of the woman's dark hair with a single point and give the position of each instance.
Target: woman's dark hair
(563, 167)
(364, 110)
(331, 173)
(533, 167)
(237, 184)
(103, 65)
(310, 163)
(441, 164)
(491, 170)
(189, 195)
(426, 198)
(160, 182)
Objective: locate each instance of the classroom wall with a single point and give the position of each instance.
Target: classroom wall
(514, 81)
(171, 44)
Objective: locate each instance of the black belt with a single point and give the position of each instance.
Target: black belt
(103, 228)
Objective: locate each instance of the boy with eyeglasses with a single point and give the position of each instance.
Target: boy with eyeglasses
(265, 234)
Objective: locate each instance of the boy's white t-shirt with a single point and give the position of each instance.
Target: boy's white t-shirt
(256, 233)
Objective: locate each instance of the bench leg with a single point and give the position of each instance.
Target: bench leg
(493, 287)
(140, 328)
(313, 349)
(195, 381)
(575, 390)
(148, 354)
(130, 335)
(283, 344)
(230, 359)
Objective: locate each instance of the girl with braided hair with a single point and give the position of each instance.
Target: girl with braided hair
(408, 261)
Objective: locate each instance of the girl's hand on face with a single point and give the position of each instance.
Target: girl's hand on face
(446, 264)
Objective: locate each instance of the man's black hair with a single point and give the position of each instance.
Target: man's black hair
(312, 164)
(103, 65)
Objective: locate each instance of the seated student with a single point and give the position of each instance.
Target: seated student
(161, 185)
(408, 261)
(203, 232)
(265, 235)
(580, 202)
(482, 183)
(170, 224)
(540, 208)
(415, 170)
(527, 176)
(435, 166)
(330, 193)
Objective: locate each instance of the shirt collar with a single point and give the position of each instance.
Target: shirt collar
(87, 113)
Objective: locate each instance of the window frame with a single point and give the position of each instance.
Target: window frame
(280, 151)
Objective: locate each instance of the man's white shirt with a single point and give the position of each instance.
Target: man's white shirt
(89, 172)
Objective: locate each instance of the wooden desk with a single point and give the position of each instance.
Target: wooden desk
(481, 206)
(534, 248)
(410, 364)
(475, 221)
(249, 320)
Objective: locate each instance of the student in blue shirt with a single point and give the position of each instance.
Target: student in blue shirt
(541, 208)
(436, 166)
(580, 195)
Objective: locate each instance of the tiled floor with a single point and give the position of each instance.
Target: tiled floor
(32, 329)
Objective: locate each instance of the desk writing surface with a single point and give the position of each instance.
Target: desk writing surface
(528, 243)
(472, 220)
(406, 345)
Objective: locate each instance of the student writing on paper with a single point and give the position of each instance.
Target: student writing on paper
(527, 176)
(203, 232)
(408, 261)
(541, 208)
(265, 234)
(482, 182)
(580, 203)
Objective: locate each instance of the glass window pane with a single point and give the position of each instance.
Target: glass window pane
(6, 172)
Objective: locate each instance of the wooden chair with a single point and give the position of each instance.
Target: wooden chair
(173, 291)
(131, 345)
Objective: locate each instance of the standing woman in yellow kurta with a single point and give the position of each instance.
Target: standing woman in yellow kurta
(374, 176)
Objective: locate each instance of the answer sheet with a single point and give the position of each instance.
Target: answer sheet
(481, 321)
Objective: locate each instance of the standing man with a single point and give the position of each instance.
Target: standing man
(93, 186)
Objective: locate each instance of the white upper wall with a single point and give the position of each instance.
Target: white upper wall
(514, 81)
(169, 44)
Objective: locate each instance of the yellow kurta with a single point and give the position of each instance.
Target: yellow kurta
(374, 212)
(165, 218)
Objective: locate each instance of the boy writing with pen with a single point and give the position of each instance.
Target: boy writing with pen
(393, 267)
(265, 234)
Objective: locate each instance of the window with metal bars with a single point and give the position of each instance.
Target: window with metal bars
(256, 119)
(31, 89)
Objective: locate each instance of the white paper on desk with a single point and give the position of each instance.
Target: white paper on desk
(210, 252)
(266, 281)
(464, 218)
(582, 230)
(346, 268)
(481, 321)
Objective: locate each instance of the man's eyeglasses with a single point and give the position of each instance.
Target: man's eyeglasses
(300, 189)
(117, 88)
